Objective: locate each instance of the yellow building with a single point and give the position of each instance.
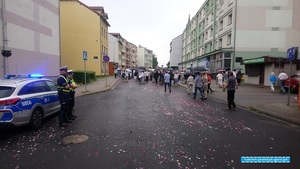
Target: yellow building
(80, 30)
(103, 35)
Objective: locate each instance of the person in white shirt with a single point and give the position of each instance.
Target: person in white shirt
(175, 79)
(190, 83)
(220, 79)
(282, 77)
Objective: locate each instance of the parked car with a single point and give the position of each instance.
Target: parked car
(295, 79)
(27, 101)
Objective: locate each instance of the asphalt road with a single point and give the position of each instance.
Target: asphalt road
(140, 126)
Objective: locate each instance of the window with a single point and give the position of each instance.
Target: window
(211, 32)
(206, 35)
(221, 25)
(51, 85)
(6, 91)
(220, 43)
(40, 87)
(212, 16)
(222, 6)
(229, 39)
(229, 19)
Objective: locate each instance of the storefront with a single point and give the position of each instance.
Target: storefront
(258, 70)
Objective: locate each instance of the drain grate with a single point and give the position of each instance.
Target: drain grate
(75, 139)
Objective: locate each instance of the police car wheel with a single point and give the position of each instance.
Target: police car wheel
(36, 118)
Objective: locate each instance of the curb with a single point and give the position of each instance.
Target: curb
(101, 90)
(260, 112)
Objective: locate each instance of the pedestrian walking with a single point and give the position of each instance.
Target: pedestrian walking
(231, 85)
(273, 79)
(156, 76)
(282, 77)
(205, 85)
(63, 88)
(220, 79)
(161, 78)
(73, 86)
(198, 86)
(190, 83)
(209, 83)
(171, 77)
(126, 76)
(116, 73)
(175, 79)
(239, 77)
(147, 74)
(167, 80)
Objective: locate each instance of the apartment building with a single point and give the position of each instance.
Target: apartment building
(176, 52)
(223, 33)
(144, 57)
(83, 28)
(30, 37)
(103, 36)
(124, 53)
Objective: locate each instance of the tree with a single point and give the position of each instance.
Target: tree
(154, 61)
(168, 64)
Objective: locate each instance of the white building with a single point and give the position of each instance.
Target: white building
(224, 33)
(176, 51)
(113, 48)
(144, 57)
(30, 30)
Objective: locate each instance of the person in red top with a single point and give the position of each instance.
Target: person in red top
(209, 82)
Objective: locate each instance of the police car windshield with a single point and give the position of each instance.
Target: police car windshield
(6, 91)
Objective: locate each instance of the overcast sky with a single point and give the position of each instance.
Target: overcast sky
(150, 23)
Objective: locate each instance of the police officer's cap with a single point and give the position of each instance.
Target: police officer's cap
(64, 68)
(70, 71)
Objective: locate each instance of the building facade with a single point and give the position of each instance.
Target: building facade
(176, 52)
(224, 32)
(30, 32)
(81, 31)
(103, 37)
(144, 57)
(123, 52)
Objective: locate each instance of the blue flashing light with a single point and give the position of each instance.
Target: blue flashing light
(36, 75)
(9, 76)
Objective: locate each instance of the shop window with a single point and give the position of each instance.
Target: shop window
(252, 70)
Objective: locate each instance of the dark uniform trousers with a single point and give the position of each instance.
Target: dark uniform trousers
(230, 98)
(71, 103)
(64, 100)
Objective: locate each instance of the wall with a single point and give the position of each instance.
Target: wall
(33, 37)
(80, 31)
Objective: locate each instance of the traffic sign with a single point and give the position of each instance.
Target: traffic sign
(291, 54)
(106, 58)
(85, 55)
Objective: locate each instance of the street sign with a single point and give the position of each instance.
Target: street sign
(85, 55)
(291, 54)
(106, 58)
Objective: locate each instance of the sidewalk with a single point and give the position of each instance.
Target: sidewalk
(261, 100)
(99, 85)
(251, 97)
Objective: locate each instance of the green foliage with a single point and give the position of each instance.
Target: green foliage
(154, 61)
(79, 76)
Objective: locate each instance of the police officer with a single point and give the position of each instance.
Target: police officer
(71, 116)
(63, 87)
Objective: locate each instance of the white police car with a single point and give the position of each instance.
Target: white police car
(27, 101)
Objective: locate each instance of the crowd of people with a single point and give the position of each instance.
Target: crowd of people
(197, 82)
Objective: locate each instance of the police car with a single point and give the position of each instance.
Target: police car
(27, 101)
